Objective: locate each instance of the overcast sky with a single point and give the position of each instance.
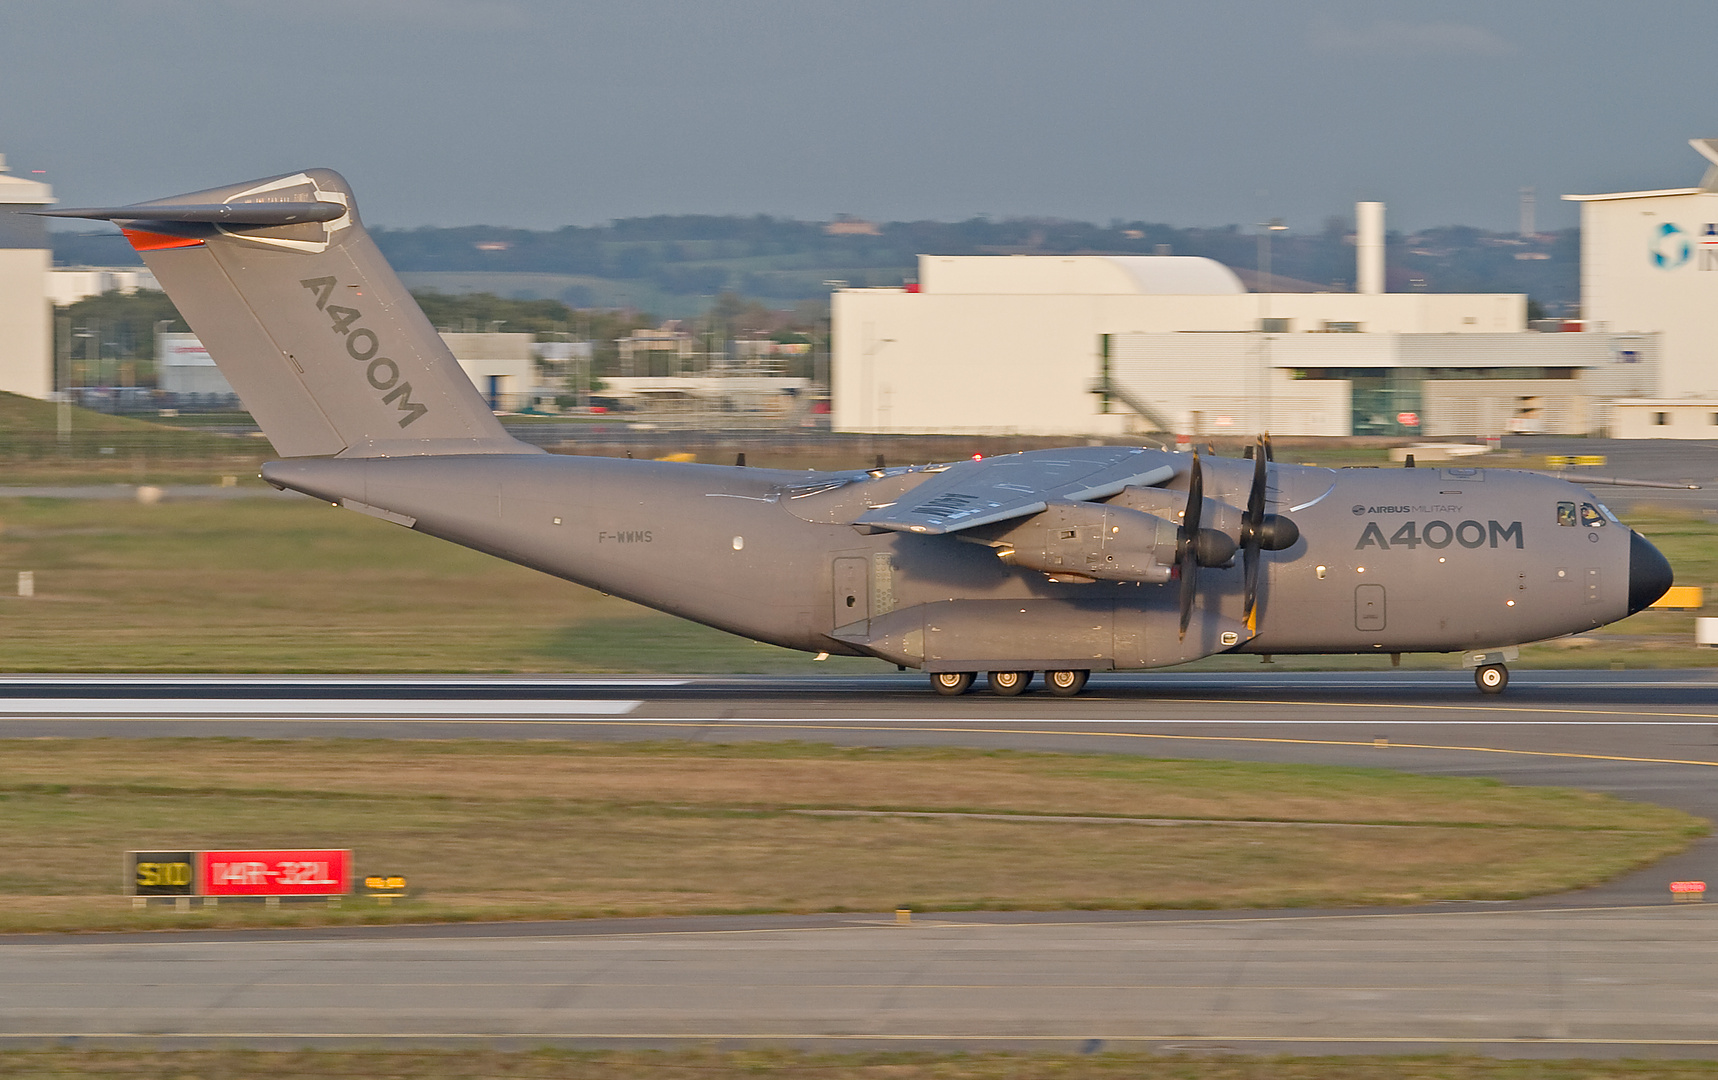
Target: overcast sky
(542, 113)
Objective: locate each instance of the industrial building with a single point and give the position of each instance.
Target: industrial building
(1104, 345)
(69, 285)
(26, 336)
(1649, 262)
(184, 368)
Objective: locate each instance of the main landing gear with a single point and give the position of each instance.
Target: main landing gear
(952, 683)
(1491, 678)
(1009, 683)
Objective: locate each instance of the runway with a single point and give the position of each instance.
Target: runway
(1613, 970)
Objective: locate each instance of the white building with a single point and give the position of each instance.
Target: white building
(183, 366)
(26, 336)
(1106, 345)
(502, 366)
(1664, 418)
(1432, 384)
(1649, 263)
(71, 284)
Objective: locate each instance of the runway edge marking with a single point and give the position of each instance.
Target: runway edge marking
(1368, 745)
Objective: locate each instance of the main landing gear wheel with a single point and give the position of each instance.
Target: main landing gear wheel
(1009, 683)
(952, 683)
(1065, 683)
(1492, 678)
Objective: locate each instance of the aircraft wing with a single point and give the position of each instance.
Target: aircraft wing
(972, 493)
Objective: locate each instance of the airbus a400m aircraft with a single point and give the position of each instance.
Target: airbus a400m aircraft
(1063, 562)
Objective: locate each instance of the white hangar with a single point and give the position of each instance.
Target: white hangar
(1649, 263)
(1107, 345)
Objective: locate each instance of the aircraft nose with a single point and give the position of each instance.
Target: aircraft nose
(1650, 575)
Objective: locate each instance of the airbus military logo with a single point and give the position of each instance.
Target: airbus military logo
(1423, 508)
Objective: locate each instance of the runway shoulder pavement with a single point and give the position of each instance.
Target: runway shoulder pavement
(1557, 983)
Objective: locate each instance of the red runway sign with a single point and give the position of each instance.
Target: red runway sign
(274, 873)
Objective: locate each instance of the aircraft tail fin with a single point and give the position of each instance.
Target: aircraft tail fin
(307, 320)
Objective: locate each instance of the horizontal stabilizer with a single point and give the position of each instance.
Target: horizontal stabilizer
(258, 213)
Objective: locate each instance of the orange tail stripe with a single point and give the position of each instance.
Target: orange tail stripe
(148, 241)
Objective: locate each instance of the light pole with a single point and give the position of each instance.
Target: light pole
(88, 335)
(1266, 281)
(64, 378)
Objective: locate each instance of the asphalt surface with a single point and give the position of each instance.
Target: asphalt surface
(1614, 970)
(1560, 984)
(1662, 461)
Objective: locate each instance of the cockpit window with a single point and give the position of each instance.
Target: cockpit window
(1566, 514)
(1605, 510)
(1590, 516)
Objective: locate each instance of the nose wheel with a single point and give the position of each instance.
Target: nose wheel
(1491, 678)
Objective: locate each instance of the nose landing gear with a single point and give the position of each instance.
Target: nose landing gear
(1491, 678)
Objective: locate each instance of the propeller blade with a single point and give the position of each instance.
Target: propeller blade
(1190, 542)
(1195, 498)
(1252, 533)
(1267, 441)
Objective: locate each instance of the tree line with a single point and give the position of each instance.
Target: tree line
(781, 261)
(110, 339)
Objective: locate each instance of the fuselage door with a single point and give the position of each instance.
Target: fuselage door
(852, 590)
(1369, 607)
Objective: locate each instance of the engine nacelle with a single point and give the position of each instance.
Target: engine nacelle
(1109, 543)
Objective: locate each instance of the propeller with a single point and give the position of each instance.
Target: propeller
(1261, 531)
(1188, 556)
(1252, 531)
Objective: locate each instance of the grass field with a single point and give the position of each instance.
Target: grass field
(711, 1064)
(554, 830)
(98, 448)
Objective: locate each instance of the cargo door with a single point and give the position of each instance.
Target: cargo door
(852, 597)
(1369, 607)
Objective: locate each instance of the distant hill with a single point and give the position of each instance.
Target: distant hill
(674, 265)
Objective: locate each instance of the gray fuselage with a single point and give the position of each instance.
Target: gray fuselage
(1400, 560)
